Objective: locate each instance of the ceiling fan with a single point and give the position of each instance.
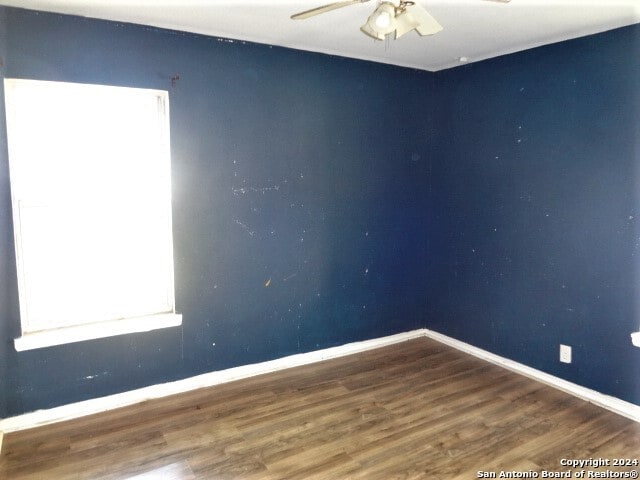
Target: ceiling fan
(399, 16)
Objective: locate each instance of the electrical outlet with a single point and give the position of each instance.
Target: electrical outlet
(565, 353)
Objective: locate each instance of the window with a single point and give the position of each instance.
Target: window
(91, 193)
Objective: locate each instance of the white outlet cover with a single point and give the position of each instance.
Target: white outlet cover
(635, 338)
(565, 353)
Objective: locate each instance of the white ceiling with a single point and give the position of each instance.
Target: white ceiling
(473, 29)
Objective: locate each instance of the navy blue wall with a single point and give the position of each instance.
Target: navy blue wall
(7, 264)
(302, 169)
(536, 187)
(496, 203)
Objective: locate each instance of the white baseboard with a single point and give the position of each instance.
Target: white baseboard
(102, 404)
(614, 404)
(97, 405)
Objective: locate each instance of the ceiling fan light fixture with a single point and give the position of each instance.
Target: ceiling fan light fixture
(405, 22)
(381, 22)
(366, 29)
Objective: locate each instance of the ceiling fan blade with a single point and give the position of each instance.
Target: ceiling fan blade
(427, 25)
(325, 8)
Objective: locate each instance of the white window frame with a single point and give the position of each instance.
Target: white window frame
(107, 148)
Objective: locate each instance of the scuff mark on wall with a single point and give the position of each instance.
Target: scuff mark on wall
(244, 227)
(91, 377)
(263, 190)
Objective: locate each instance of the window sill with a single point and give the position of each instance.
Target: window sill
(60, 336)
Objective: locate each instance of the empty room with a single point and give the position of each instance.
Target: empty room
(300, 239)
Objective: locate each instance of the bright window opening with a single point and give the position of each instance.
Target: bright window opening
(91, 191)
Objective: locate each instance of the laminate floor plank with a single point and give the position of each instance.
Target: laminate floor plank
(414, 410)
(574, 423)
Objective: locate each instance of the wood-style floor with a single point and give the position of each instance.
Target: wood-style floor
(413, 410)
